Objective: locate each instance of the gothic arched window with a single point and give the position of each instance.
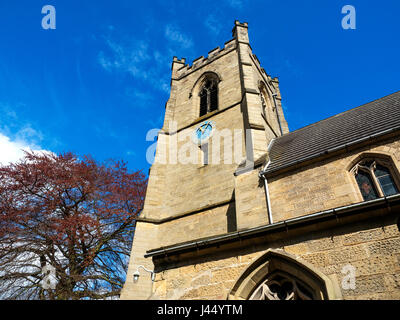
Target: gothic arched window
(209, 96)
(277, 275)
(374, 179)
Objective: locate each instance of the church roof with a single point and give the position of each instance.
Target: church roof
(375, 118)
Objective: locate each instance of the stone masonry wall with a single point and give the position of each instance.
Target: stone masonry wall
(225, 203)
(322, 186)
(325, 185)
(373, 250)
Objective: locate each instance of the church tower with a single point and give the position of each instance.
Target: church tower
(222, 113)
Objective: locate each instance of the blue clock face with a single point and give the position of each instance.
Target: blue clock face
(204, 131)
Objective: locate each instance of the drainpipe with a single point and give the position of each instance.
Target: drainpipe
(262, 175)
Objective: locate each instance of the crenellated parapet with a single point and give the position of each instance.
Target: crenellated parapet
(260, 68)
(183, 69)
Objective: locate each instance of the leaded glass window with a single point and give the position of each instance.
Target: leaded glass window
(385, 180)
(374, 179)
(366, 185)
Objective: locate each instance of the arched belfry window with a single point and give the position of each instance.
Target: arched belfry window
(375, 178)
(209, 96)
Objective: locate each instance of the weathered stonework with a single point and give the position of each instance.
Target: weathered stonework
(195, 206)
(377, 271)
(328, 184)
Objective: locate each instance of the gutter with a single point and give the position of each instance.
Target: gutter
(275, 227)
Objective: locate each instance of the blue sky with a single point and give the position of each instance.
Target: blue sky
(99, 81)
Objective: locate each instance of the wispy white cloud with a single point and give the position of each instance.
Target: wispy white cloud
(28, 134)
(213, 25)
(13, 150)
(135, 58)
(173, 34)
(155, 123)
(8, 111)
(16, 135)
(235, 3)
(124, 57)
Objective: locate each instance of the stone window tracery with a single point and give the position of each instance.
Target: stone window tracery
(375, 179)
(282, 286)
(277, 275)
(209, 96)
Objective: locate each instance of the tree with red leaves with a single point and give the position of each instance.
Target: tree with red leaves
(66, 226)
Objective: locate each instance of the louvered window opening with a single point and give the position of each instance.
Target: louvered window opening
(209, 97)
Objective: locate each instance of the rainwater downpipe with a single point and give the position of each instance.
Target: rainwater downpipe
(262, 175)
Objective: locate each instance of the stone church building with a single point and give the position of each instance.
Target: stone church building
(308, 214)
